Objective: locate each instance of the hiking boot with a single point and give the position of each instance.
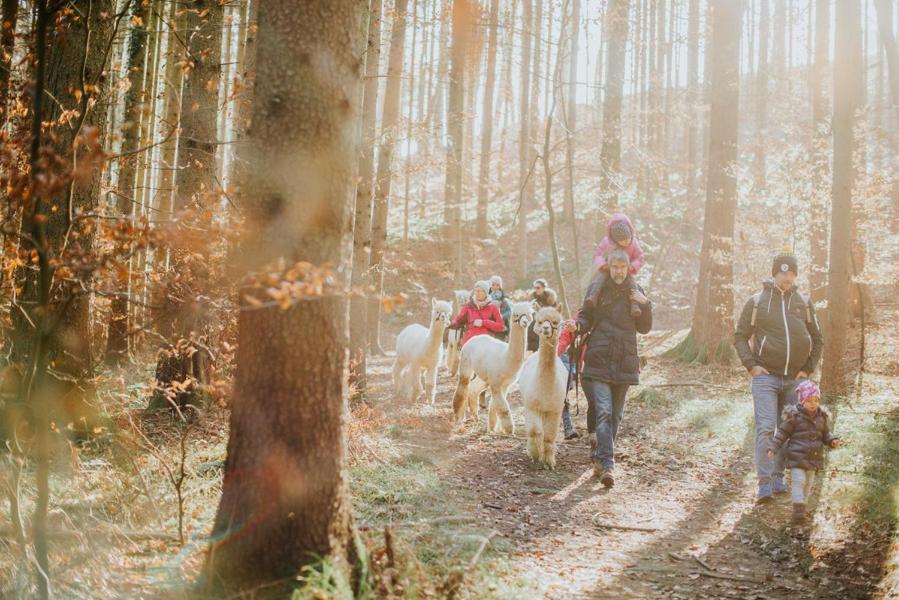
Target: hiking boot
(571, 434)
(765, 494)
(606, 479)
(779, 486)
(798, 513)
(636, 311)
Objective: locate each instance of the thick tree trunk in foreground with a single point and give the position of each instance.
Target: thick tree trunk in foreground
(284, 497)
(616, 27)
(847, 98)
(713, 319)
(389, 134)
(361, 281)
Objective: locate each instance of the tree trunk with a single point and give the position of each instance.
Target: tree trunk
(383, 179)
(847, 98)
(135, 96)
(8, 21)
(524, 137)
(570, 145)
(52, 327)
(761, 98)
(185, 321)
(713, 326)
(463, 13)
(487, 134)
(693, 99)
(820, 154)
(888, 39)
(284, 498)
(616, 27)
(362, 278)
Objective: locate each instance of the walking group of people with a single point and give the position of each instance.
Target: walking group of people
(777, 339)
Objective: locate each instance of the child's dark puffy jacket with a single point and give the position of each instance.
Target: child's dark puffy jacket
(805, 436)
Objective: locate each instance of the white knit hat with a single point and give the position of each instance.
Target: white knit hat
(497, 279)
(484, 285)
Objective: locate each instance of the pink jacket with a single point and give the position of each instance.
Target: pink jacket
(606, 245)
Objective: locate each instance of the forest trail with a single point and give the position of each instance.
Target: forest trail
(684, 473)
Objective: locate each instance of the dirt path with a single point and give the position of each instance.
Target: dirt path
(684, 473)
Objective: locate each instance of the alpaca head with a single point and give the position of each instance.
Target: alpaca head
(460, 298)
(441, 311)
(546, 323)
(522, 313)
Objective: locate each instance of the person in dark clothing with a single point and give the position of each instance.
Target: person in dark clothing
(779, 342)
(804, 434)
(498, 295)
(544, 296)
(611, 363)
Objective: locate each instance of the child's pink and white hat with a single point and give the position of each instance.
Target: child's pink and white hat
(807, 389)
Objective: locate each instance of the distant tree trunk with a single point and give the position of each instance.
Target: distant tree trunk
(410, 107)
(524, 143)
(8, 20)
(362, 282)
(778, 47)
(693, 98)
(570, 131)
(847, 98)
(284, 498)
(761, 98)
(185, 320)
(713, 326)
(888, 39)
(487, 134)
(820, 153)
(384, 176)
(616, 27)
(463, 12)
(117, 337)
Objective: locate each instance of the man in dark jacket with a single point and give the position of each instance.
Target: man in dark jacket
(779, 342)
(611, 363)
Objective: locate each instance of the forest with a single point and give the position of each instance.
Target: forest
(348, 299)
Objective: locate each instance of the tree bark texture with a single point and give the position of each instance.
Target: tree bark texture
(616, 27)
(389, 133)
(360, 303)
(284, 497)
(713, 326)
(847, 99)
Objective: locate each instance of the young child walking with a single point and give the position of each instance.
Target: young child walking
(620, 233)
(805, 430)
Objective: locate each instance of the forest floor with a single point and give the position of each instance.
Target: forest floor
(470, 516)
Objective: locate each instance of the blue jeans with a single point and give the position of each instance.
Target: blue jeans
(566, 411)
(770, 394)
(607, 400)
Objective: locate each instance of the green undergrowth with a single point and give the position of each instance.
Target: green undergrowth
(406, 506)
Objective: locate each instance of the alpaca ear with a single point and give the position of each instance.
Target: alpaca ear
(534, 306)
(433, 303)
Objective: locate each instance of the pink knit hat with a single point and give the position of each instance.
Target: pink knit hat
(807, 389)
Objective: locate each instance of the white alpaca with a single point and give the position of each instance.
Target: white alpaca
(454, 337)
(542, 382)
(496, 365)
(419, 349)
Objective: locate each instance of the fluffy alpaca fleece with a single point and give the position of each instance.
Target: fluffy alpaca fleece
(496, 365)
(542, 382)
(454, 336)
(420, 349)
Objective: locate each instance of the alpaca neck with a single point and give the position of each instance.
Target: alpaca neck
(515, 355)
(435, 335)
(548, 352)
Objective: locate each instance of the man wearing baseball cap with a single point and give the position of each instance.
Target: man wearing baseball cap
(779, 342)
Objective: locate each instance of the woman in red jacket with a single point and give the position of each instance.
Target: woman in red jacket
(479, 316)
